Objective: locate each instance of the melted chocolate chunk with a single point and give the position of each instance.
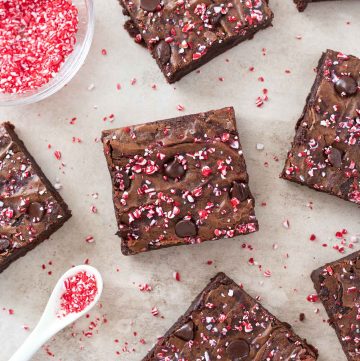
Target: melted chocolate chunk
(324, 292)
(346, 85)
(36, 212)
(125, 219)
(238, 350)
(149, 5)
(186, 228)
(174, 169)
(4, 244)
(186, 331)
(239, 296)
(335, 157)
(239, 191)
(163, 52)
(214, 12)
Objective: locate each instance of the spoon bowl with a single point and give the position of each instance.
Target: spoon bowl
(51, 322)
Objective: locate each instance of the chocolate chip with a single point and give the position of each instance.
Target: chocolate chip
(174, 169)
(342, 309)
(335, 157)
(4, 244)
(123, 180)
(214, 14)
(239, 296)
(124, 219)
(186, 228)
(163, 52)
(346, 85)
(324, 292)
(346, 187)
(149, 5)
(36, 211)
(239, 191)
(186, 331)
(238, 350)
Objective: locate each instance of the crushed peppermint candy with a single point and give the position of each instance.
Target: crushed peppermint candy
(36, 37)
(80, 291)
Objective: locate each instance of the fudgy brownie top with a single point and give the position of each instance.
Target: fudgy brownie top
(338, 286)
(325, 154)
(225, 323)
(182, 31)
(179, 181)
(30, 209)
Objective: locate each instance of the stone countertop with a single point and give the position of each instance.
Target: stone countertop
(124, 319)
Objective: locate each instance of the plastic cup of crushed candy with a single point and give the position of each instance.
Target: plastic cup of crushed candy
(27, 75)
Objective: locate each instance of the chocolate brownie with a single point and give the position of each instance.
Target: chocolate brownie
(338, 286)
(31, 210)
(302, 4)
(325, 153)
(183, 35)
(225, 323)
(179, 181)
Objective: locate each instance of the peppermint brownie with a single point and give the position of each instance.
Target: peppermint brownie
(182, 35)
(302, 4)
(179, 181)
(338, 286)
(225, 323)
(31, 210)
(325, 153)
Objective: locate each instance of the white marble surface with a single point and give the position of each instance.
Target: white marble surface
(24, 287)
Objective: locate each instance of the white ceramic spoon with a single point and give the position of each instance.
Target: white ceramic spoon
(50, 323)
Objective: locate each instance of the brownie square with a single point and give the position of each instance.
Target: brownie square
(325, 153)
(183, 35)
(31, 210)
(338, 286)
(302, 4)
(225, 323)
(179, 181)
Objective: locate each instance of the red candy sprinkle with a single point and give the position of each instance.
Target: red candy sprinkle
(312, 298)
(176, 276)
(57, 154)
(36, 37)
(80, 291)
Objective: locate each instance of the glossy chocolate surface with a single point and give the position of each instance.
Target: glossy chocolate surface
(182, 35)
(325, 154)
(179, 181)
(30, 208)
(225, 323)
(338, 286)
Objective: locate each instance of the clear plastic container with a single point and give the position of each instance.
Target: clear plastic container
(71, 65)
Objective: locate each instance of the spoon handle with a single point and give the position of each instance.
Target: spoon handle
(31, 345)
